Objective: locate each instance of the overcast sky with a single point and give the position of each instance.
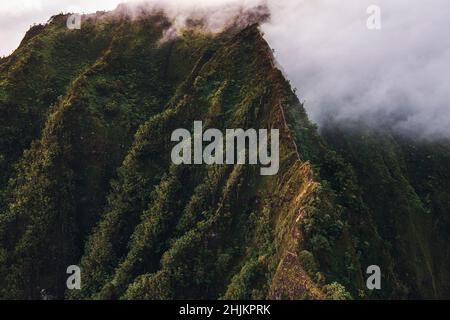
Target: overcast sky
(16, 16)
(399, 74)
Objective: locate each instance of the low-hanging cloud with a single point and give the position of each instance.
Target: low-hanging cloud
(397, 76)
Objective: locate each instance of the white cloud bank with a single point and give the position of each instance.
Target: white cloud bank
(399, 74)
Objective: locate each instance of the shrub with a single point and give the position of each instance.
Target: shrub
(336, 291)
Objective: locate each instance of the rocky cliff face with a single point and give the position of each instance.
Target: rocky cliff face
(87, 179)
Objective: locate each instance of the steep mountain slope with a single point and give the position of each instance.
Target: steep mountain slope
(63, 178)
(87, 117)
(406, 183)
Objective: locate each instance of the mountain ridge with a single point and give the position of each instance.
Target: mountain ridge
(95, 187)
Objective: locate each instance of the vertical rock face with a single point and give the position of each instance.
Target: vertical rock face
(87, 179)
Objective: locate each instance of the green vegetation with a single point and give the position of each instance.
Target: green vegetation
(86, 178)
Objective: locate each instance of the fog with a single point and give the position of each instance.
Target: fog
(398, 75)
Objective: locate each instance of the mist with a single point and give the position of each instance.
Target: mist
(398, 76)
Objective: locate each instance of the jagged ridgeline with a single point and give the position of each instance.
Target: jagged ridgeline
(86, 176)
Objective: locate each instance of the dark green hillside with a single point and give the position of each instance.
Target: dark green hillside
(80, 137)
(406, 184)
(86, 176)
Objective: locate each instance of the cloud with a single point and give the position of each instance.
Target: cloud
(399, 75)
(17, 16)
